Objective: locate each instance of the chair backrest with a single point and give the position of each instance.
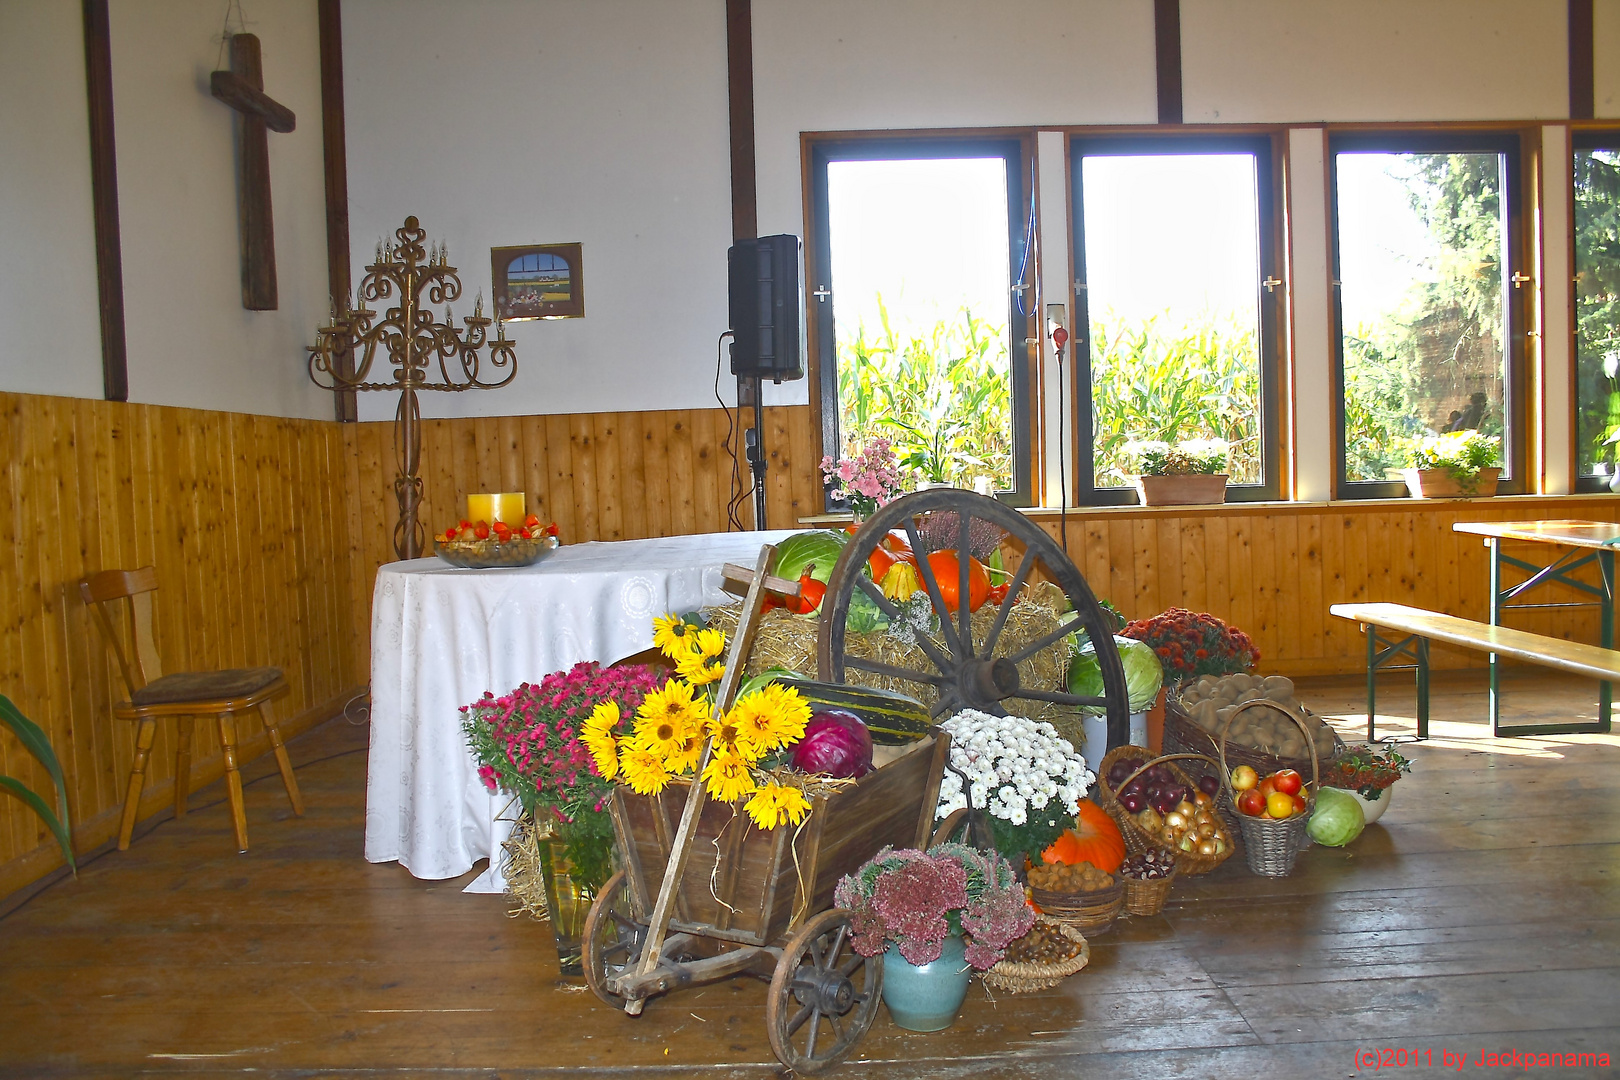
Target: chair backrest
(103, 592)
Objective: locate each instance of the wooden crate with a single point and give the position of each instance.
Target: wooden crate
(754, 887)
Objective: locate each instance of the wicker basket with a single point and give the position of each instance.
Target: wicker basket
(1090, 913)
(1269, 846)
(1027, 978)
(1146, 896)
(1183, 736)
(1137, 839)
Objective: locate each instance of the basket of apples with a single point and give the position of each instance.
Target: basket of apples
(479, 545)
(1272, 811)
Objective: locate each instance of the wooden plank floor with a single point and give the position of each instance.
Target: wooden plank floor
(1481, 914)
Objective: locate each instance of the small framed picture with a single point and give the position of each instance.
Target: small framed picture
(539, 281)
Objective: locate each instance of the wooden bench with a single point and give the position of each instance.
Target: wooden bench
(1422, 626)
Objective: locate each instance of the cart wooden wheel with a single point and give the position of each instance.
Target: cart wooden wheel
(612, 936)
(965, 669)
(823, 996)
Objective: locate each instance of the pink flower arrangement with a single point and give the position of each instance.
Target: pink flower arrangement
(917, 899)
(868, 481)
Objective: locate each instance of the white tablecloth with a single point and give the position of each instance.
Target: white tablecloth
(441, 636)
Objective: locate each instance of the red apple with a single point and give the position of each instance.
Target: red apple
(1267, 786)
(1252, 803)
(1244, 778)
(1287, 781)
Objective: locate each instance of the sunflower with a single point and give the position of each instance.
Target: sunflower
(674, 635)
(727, 778)
(766, 721)
(699, 670)
(686, 757)
(774, 804)
(603, 719)
(729, 738)
(664, 735)
(604, 750)
(644, 771)
(710, 643)
(675, 701)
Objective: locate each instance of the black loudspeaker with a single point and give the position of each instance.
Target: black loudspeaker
(767, 307)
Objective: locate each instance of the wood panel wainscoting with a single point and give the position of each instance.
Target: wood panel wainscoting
(241, 515)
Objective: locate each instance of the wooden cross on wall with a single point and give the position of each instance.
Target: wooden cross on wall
(242, 88)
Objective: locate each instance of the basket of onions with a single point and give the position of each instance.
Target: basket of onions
(1159, 808)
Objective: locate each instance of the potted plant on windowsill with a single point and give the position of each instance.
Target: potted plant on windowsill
(1190, 471)
(1458, 463)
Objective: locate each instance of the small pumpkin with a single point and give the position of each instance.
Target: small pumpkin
(1094, 839)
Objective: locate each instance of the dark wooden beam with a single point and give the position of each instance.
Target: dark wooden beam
(740, 93)
(1582, 96)
(104, 199)
(249, 100)
(1167, 58)
(255, 217)
(330, 16)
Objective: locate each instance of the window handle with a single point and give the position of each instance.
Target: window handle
(1271, 283)
(1519, 279)
(822, 293)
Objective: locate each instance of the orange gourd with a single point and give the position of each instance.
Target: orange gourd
(1094, 839)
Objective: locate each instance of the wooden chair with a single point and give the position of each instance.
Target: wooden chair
(184, 695)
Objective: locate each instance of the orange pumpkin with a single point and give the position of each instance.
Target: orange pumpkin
(1094, 839)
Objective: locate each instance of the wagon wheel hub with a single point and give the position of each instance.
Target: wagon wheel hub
(982, 683)
(829, 991)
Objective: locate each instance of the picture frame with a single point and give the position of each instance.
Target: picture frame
(538, 281)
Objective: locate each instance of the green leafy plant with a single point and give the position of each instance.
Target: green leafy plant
(32, 736)
(1463, 454)
(1154, 384)
(1206, 457)
(943, 397)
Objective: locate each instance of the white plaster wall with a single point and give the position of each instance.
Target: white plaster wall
(597, 121)
(50, 336)
(1606, 58)
(1280, 61)
(190, 341)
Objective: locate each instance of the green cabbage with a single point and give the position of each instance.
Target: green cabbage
(1337, 819)
(1143, 673)
(819, 546)
(864, 615)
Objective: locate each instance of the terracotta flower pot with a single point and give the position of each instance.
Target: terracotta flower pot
(1441, 484)
(1194, 488)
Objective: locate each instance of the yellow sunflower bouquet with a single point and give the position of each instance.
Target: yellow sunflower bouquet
(666, 736)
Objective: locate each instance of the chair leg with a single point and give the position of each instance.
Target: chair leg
(137, 779)
(282, 760)
(233, 779)
(182, 766)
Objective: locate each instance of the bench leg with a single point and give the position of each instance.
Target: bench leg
(1423, 687)
(1372, 681)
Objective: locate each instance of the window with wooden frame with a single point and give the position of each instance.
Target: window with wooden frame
(919, 268)
(1595, 176)
(1179, 296)
(1431, 298)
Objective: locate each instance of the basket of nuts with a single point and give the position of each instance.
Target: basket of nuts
(1051, 952)
(1147, 879)
(1077, 894)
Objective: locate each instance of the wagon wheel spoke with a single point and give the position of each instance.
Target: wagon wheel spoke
(815, 1029)
(838, 1029)
(926, 571)
(851, 965)
(798, 1020)
(1043, 641)
(1062, 698)
(941, 661)
(945, 702)
(964, 609)
(893, 672)
(1004, 609)
(832, 953)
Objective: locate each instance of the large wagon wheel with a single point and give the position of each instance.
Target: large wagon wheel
(612, 936)
(965, 671)
(823, 996)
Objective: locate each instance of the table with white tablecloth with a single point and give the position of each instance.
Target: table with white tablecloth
(441, 637)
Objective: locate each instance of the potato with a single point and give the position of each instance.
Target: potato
(1203, 715)
(1248, 694)
(1278, 688)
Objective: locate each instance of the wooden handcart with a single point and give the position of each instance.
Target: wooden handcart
(705, 895)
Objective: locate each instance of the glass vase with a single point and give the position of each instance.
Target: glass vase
(568, 902)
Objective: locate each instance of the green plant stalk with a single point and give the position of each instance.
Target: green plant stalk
(34, 740)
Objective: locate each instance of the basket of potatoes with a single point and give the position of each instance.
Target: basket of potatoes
(1264, 739)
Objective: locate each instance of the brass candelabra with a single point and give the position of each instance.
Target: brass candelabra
(424, 354)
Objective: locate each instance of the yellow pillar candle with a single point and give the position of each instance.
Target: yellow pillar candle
(505, 506)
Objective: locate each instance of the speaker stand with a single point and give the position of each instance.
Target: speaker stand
(756, 452)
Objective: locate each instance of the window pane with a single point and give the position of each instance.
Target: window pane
(919, 256)
(1597, 307)
(1421, 251)
(1172, 272)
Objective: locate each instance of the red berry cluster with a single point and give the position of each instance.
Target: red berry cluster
(1194, 643)
(531, 529)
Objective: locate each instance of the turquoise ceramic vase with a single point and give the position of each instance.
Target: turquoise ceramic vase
(926, 997)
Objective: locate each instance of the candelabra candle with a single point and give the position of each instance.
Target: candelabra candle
(422, 355)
